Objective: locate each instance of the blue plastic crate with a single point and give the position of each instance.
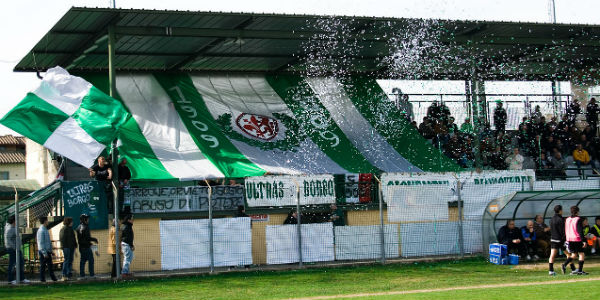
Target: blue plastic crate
(513, 259)
(498, 260)
(498, 249)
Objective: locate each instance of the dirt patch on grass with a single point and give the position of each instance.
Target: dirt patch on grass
(485, 286)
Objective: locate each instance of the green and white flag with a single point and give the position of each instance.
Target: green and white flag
(69, 116)
(207, 126)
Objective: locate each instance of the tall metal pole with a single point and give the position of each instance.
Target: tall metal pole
(461, 245)
(211, 239)
(381, 223)
(17, 239)
(299, 222)
(114, 155)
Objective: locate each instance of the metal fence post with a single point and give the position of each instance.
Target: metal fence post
(298, 225)
(210, 230)
(17, 240)
(382, 228)
(461, 241)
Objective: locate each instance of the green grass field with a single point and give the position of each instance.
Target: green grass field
(308, 283)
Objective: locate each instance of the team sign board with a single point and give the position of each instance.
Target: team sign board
(85, 197)
(282, 190)
(184, 199)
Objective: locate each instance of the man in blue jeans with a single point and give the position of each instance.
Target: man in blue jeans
(127, 244)
(85, 240)
(45, 250)
(68, 244)
(10, 243)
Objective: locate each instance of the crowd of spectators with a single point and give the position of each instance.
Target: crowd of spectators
(540, 144)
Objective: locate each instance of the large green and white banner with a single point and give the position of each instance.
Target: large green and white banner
(285, 190)
(203, 126)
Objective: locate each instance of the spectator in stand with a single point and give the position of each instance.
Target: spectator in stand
(572, 111)
(45, 250)
(499, 117)
(559, 165)
(503, 140)
(582, 158)
(102, 172)
(591, 114)
(553, 122)
(530, 241)
(542, 232)
(467, 127)
(536, 114)
(515, 160)
(511, 236)
(124, 178)
(548, 145)
(426, 129)
(452, 128)
(544, 166)
(497, 159)
(524, 138)
(68, 244)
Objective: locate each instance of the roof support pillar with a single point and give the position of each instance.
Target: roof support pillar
(478, 110)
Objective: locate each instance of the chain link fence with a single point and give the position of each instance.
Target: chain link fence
(293, 221)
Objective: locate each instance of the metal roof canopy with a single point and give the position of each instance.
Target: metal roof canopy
(524, 206)
(184, 41)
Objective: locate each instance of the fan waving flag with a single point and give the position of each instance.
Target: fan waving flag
(69, 116)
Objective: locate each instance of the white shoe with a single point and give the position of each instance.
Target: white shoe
(13, 282)
(593, 250)
(25, 281)
(535, 257)
(528, 257)
(551, 273)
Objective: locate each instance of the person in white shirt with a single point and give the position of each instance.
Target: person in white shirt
(515, 160)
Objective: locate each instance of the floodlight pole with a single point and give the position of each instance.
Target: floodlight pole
(115, 156)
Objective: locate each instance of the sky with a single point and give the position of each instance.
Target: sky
(23, 23)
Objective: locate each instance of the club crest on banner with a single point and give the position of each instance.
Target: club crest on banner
(257, 126)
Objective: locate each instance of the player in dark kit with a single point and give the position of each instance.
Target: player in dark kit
(557, 239)
(575, 240)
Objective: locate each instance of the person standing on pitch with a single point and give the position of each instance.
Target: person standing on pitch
(575, 240)
(127, 244)
(85, 240)
(45, 250)
(10, 244)
(557, 239)
(112, 249)
(68, 244)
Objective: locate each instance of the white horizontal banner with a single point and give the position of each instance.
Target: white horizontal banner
(283, 190)
(185, 243)
(282, 243)
(425, 196)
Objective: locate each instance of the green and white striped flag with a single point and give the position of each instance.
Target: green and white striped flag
(69, 116)
(231, 125)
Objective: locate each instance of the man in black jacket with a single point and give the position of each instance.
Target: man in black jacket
(127, 244)
(85, 240)
(499, 117)
(557, 239)
(511, 236)
(68, 244)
